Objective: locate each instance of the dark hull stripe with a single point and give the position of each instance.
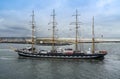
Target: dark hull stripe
(97, 56)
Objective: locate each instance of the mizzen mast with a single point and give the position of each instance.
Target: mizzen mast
(93, 37)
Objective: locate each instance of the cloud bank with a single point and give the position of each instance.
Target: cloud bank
(15, 17)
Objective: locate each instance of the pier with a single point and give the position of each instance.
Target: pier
(25, 40)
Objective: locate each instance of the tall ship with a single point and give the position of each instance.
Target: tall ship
(60, 53)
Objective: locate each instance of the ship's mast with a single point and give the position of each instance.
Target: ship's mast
(53, 31)
(93, 37)
(33, 29)
(77, 26)
(76, 41)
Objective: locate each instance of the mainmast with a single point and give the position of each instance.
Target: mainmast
(77, 26)
(33, 29)
(93, 37)
(53, 31)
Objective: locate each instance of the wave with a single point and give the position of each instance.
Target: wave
(7, 58)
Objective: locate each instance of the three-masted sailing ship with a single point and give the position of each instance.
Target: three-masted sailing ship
(62, 53)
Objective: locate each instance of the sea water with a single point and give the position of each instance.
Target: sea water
(14, 67)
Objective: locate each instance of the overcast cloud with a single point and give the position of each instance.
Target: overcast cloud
(15, 17)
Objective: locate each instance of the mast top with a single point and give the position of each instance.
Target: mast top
(33, 12)
(53, 12)
(33, 20)
(76, 14)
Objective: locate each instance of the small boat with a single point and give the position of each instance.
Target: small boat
(60, 53)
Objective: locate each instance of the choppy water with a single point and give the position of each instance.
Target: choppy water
(13, 67)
